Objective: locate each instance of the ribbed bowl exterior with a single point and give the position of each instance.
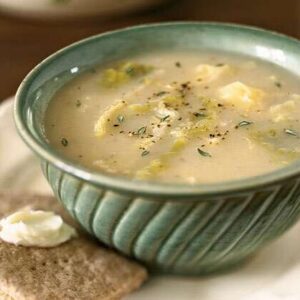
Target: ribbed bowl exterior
(193, 236)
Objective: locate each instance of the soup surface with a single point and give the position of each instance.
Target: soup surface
(179, 116)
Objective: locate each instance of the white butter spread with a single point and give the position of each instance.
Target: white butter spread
(35, 228)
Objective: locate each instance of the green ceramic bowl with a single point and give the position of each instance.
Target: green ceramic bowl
(185, 229)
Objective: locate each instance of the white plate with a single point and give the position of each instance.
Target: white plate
(273, 274)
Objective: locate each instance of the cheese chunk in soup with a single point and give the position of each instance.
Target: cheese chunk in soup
(179, 116)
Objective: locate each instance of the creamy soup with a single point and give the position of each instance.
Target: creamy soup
(179, 116)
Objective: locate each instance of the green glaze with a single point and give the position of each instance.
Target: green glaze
(183, 229)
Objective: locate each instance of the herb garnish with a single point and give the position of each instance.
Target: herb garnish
(141, 131)
(64, 142)
(243, 123)
(160, 93)
(278, 84)
(78, 103)
(178, 64)
(290, 132)
(129, 70)
(165, 118)
(203, 153)
(199, 114)
(145, 152)
(61, 1)
(120, 118)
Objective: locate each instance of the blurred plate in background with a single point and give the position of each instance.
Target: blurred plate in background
(73, 8)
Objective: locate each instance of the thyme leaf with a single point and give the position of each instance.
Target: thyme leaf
(290, 132)
(141, 130)
(243, 123)
(145, 152)
(64, 142)
(161, 93)
(60, 1)
(165, 118)
(120, 118)
(200, 114)
(203, 153)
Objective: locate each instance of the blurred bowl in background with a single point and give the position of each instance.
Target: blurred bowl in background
(73, 8)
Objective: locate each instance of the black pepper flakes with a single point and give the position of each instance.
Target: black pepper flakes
(186, 85)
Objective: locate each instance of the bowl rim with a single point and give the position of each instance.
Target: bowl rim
(141, 187)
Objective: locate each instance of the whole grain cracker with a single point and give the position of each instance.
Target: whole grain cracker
(78, 269)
